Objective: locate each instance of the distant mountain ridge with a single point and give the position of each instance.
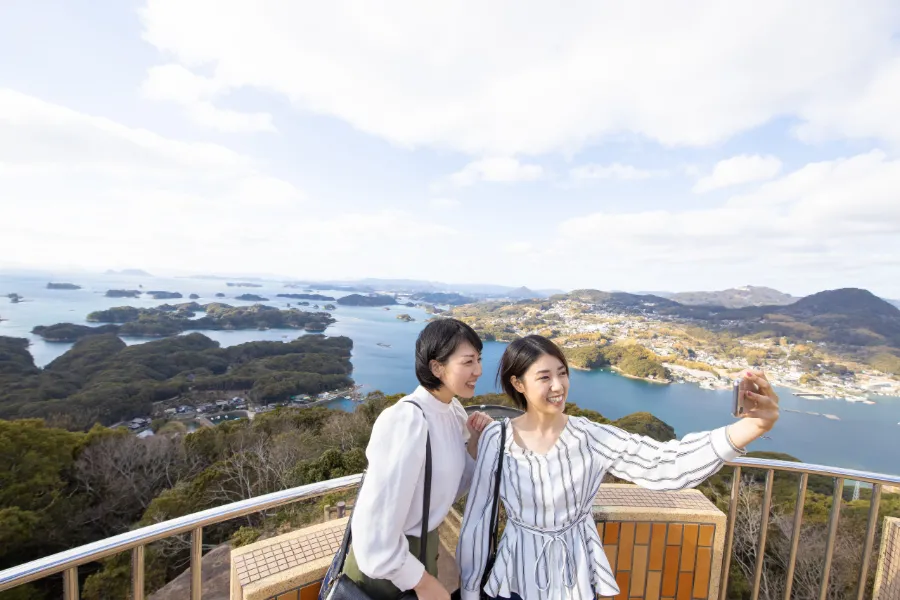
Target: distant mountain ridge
(748, 295)
(415, 286)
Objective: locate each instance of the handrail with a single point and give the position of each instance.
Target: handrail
(813, 469)
(67, 562)
(61, 561)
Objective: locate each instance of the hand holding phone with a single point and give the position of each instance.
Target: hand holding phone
(739, 388)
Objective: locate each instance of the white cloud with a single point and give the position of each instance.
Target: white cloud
(497, 170)
(89, 191)
(518, 248)
(468, 77)
(799, 229)
(613, 171)
(194, 93)
(737, 170)
(444, 203)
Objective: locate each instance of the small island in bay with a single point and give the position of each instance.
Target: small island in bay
(168, 320)
(251, 298)
(328, 307)
(63, 286)
(318, 297)
(405, 317)
(14, 298)
(369, 300)
(122, 293)
(160, 295)
(220, 295)
(243, 284)
(194, 297)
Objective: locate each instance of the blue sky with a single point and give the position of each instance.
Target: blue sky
(638, 146)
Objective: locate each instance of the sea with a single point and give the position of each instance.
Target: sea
(866, 437)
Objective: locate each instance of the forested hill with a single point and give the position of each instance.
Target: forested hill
(101, 380)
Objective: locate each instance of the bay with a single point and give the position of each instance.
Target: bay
(866, 436)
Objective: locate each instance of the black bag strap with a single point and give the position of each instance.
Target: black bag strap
(337, 565)
(495, 509)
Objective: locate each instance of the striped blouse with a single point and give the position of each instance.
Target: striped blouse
(550, 547)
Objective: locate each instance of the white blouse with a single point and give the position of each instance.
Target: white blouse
(550, 547)
(389, 506)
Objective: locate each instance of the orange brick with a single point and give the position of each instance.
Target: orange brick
(611, 533)
(707, 532)
(674, 534)
(689, 547)
(642, 533)
(685, 586)
(670, 572)
(701, 573)
(622, 579)
(657, 546)
(626, 544)
(292, 595)
(654, 579)
(611, 555)
(311, 591)
(639, 571)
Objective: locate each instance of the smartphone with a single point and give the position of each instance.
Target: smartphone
(739, 387)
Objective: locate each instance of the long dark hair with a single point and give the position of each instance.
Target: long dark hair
(518, 358)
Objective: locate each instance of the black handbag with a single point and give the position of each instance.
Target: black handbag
(495, 522)
(336, 585)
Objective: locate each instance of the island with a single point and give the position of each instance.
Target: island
(159, 295)
(63, 286)
(122, 293)
(168, 320)
(319, 297)
(368, 300)
(251, 298)
(194, 297)
(243, 284)
(220, 295)
(327, 306)
(405, 317)
(443, 298)
(15, 298)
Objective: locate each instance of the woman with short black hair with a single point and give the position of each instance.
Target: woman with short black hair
(552, 466)
(387, 519)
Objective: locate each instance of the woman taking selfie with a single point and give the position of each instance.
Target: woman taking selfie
(552, 466)
(387, 519)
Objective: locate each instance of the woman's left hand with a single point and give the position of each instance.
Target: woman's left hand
(763, 407)
(476, 423)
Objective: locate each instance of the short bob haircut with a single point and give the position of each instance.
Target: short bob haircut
(438, 341)
(518, 358)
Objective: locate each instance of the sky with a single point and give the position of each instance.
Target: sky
(633, 146)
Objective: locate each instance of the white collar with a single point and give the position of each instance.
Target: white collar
(428, 402)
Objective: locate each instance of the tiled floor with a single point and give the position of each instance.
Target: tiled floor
(287, 554)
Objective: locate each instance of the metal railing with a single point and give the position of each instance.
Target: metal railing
(805, 470)
(68, 562)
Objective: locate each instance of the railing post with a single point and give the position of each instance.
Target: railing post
(832, 532)
(763, 533)
(729, 532)
(196, 563)
(137, 573)
(70, 583)
(795, 534)
(870, 539)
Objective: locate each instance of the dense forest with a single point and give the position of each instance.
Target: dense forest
(631, 359)
(101, 380)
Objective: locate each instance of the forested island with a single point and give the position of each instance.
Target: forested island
(123, 294)
(368, 300)
(251, 298)
(168, 319)
(161, 295)
(319, 297)
(102, 380)
(63, 286)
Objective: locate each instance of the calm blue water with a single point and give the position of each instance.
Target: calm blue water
(867, 436)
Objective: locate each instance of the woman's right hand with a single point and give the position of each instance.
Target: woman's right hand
(429, 588)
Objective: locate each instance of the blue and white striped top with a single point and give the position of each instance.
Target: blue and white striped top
(550, 548)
